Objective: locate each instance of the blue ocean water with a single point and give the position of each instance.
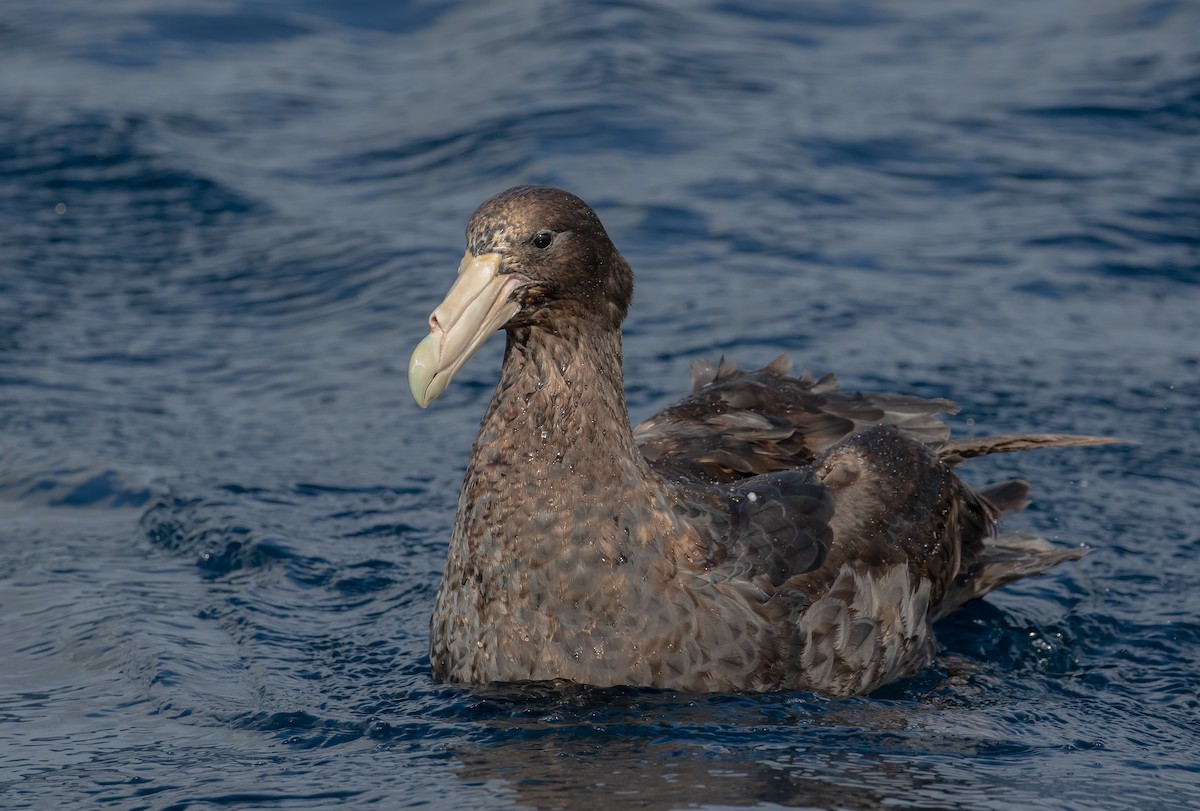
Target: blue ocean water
(222, 519)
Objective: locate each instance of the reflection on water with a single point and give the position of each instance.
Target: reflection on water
(667, 751)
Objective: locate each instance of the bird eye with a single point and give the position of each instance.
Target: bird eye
(542, 239)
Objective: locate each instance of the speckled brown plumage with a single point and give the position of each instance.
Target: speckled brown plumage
(767, 532)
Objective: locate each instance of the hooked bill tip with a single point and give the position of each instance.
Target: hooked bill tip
(423, 380)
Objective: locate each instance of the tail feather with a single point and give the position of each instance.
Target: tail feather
(1008, 497)
(1007, 557)
(1010, 556)
(955, 451)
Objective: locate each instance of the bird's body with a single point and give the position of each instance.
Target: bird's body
(767, 532)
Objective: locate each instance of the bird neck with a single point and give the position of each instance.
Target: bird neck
(559, 409)
(555, 452)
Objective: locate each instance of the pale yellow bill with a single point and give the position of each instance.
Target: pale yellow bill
(477, 305)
